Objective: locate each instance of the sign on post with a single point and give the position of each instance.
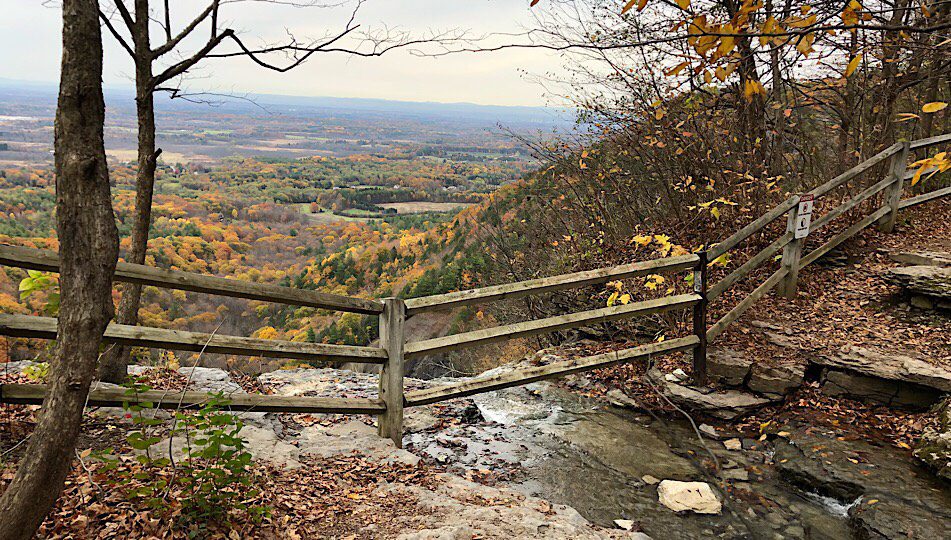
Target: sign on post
(804, 216)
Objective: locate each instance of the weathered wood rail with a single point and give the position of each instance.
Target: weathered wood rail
(393, 348)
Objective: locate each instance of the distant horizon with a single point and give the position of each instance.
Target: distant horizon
(237, 96)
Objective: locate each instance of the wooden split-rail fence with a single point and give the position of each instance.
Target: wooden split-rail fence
(394, 350)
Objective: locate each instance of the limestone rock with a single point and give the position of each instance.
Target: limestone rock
(626, 524)
(922, 258)
(897, 367)
(775, 379)
(727, 366)
(727, 405)
(350, 437)
(688, 496)
(933, 281)
(619, 399)
(934, 448)
(449, 513)
(710, 432)
(210, 380)
(733, 444)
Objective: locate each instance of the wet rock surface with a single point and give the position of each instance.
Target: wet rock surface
(881, 493)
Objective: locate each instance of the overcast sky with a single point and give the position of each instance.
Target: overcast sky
(30, 48)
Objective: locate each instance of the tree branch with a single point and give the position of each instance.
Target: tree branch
(174, 41)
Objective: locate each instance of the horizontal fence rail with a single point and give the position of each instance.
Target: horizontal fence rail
(33, 394)
(549, 284)
(930, 141)
(540, 326)
(48, 261)
(478, 385)
(924, 197)
(28, 326)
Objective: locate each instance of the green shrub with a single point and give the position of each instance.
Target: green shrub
(212, 478)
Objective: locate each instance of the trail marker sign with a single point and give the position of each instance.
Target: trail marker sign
(804, 216)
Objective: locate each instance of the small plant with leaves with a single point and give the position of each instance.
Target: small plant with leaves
(36, 282)
(212, 476)
(37, 372)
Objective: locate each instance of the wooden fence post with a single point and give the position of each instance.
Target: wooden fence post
(791, 255)
(893, 192)
(700, 321)
(392, 340)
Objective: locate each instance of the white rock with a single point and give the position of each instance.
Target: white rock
(733, 444)
(210, 380)
(349, 437)
(625, 524)
(651, 480)
(693, 496)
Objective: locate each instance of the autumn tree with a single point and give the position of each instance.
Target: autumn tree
(88, 250)
(133, 29)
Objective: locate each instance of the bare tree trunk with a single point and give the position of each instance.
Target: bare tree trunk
(113, 367)
(890, 71)
(89, 246)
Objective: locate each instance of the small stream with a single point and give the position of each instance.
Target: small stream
(594, 457)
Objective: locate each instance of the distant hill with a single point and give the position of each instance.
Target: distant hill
(543, 118)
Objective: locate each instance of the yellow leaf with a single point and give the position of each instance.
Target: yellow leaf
(641, 5)
(627, 7)
(684, 4)
(715, 212)
(613, 298)
(853, 65)
(805, 44)
(677, 69)
(625, 299)
(642, 240)
(934, 106)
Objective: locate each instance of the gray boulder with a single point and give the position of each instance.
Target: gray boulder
(931, 281)
(775, 379)
(727, 366)
(934, 448)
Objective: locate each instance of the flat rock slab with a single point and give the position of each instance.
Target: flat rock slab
(891, 366)
(932, 281)
(728, 405)
(922, 258)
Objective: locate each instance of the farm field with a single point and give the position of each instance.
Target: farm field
(419, 207)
